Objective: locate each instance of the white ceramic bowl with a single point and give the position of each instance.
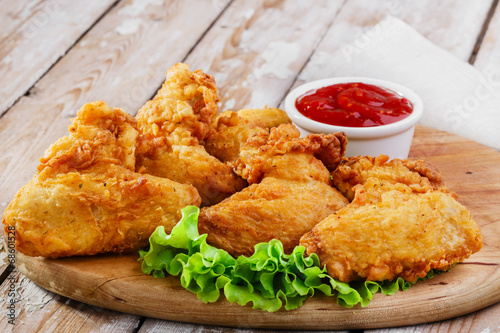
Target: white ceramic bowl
(392, 139)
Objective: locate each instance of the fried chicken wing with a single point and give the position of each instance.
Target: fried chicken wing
(419, 175)
(402, 222)
(173, 127)
(186, 100)
(289, 193)
(86, 197)
(232, 130)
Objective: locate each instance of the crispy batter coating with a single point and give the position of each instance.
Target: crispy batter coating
(290, 192)
(173, 126)
(232, 129)
(261, 153)
(87, 199)
(419, 175)
(266, 117)
(400, 223)
(186, 100)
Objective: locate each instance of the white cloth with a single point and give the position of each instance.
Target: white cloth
(457, 97)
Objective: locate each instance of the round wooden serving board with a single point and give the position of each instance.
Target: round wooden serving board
(470, 169)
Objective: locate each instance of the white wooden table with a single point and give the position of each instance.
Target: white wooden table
(56, 55)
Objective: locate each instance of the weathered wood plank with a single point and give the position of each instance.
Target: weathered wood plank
(38, 310)
(257, 48)
(159, 326)
(452, 25)
(94, 81)
(486, 320)
(35, 34)
(122, 60)
(488, 57)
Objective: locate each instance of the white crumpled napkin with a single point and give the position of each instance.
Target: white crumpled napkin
(457, 97)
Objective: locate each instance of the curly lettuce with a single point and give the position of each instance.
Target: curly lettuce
(268, 279)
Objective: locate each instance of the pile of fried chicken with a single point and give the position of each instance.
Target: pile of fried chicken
(107, 185)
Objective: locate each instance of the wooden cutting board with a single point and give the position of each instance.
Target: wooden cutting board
(470, 169)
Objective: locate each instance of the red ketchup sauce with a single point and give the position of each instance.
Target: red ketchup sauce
(354, 104)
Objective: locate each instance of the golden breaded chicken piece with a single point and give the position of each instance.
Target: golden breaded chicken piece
(87, 199)
(399, 223)
(232, 130)
(173, 126)
(186, 100)
(289, 193)
(419, 175)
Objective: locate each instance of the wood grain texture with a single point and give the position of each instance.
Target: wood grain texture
(160, 326)
(122, 64)
(39, 310)
(488, 57)
(257, 48)
(122, 61)
(470, 169)
(35, 34)
(486, 320)
(458, 34)
(453, 25)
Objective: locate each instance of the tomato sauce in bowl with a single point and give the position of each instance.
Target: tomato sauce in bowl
(354, 104)
(378, 116)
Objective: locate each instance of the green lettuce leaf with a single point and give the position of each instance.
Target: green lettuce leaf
(268, 279)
